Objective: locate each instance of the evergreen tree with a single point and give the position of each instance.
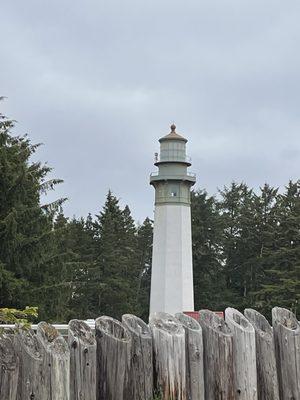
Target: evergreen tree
(281, 280)
(144, 249)
(86, 280)
(236, 208)
(116, 260)
(25, 226)
(209, 279)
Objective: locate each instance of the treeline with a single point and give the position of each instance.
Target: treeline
(246, 247)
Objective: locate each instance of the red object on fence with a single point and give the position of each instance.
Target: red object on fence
(219, 313)
(193, 314)
(196, 316)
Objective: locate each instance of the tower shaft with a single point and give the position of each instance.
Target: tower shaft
(172, 265)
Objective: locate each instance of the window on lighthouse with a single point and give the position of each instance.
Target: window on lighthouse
(174, 189)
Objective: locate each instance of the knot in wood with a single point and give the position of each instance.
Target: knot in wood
(32, 396)
(74, 344)
(85, 350)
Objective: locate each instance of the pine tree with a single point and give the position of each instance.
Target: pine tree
(237, 211)
(26, 227)
(281, 280)
(144, 248)
(209, 280)
(116, 260)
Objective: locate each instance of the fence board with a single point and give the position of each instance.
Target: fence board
(83, 349)
(287, 344)
(169, 356)
(56, 362)
(218, 357)
(32, 383)
(194, 357)
(244, 354)
(113, 359)
(9, 368)
(267, 381)
(141, 368)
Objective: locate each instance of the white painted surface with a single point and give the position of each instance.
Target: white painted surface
(172, 265)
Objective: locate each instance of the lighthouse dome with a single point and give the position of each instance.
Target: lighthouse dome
(173, 135)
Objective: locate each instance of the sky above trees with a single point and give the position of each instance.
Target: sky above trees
(99, 82)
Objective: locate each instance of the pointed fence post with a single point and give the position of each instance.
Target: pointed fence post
(218, 357)
(287, 344)
(267, 381)
(113, 359)
(141, 368)
(169, 356)
(56, 362)
(33, 379)
(194, 357)
(83, 349)
(244, 354)
(9, 368)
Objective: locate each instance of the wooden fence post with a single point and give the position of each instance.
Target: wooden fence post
(194, 357)
(141, 369)
(82, 345)
(244, 354)
(113, 359)
(56, 362)
(218, 357)
(169, 356)
(9, 368)
(287, 344)
(32, 382)
(267, 381)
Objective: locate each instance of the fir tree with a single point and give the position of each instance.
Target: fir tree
(26, 227)
(209, 280)
(116, 260)
(144, 249)
(281, 281)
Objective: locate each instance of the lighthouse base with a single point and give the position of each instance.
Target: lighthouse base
(172, 264)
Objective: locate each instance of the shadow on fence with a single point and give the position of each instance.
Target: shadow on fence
(241, 357)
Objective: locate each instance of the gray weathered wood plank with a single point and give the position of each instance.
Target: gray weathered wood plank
(56, 362)
(169, 356)
(141, 369)
(113, 359)
(33, 379)
(244, 354)
(287, 345)
(194, 357)
(267, 380)
(83, 350)
(218, 357)
(9, 368)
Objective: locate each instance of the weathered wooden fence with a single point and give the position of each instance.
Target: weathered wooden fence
(172, 358)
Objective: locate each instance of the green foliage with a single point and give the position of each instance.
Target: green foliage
(26, 227)
(144, 250)
(19, 318)
(246, 248)
(116, 260)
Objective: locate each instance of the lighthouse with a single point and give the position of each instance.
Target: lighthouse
(172, 264)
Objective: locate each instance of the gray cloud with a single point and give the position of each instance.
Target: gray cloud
(99, 82)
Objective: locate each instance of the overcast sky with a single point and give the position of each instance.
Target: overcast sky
(98, 82)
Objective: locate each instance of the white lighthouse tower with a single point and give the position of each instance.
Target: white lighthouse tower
(172, 264)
